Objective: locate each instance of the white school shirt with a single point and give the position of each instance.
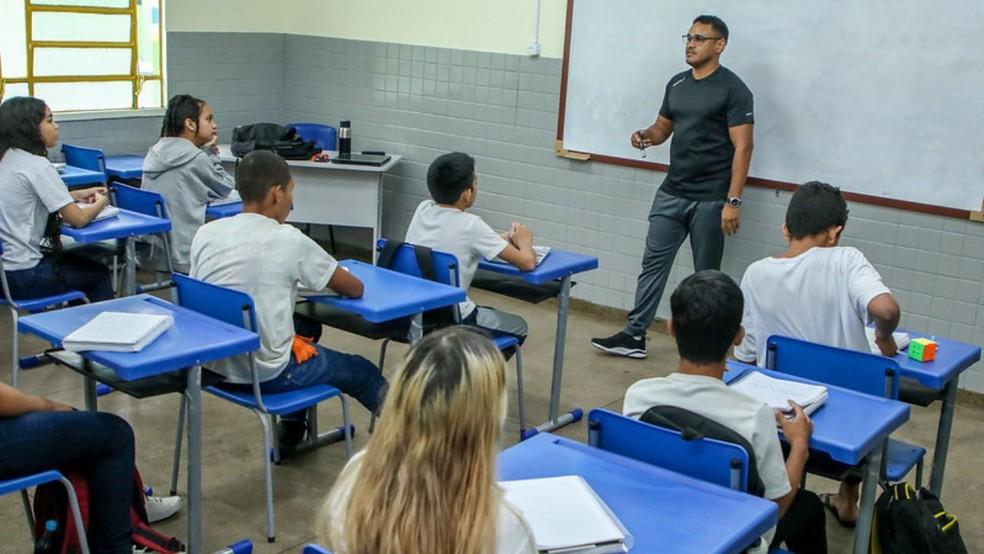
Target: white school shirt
(254, 254)
(820, 296)
(713, 399)
(465, 235)
(30, 189)
(512, 532)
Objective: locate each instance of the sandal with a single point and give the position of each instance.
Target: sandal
(828, 503)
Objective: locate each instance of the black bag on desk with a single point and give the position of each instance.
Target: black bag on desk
(269, 136)
(910, 521)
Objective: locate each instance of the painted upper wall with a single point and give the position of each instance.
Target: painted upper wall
(503, 26)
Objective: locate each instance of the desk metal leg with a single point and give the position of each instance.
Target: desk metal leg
(194, 393)
(558, 420)
(943, 436)
(869, 492)
(130, 274)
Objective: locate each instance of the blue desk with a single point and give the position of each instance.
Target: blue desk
(392, 295)
(193, 340)
(125, 226)
(558, 265)
(125, 166)
(941, 374)
(664, 511)
(78, 177)
(852, 428)
(223, 210)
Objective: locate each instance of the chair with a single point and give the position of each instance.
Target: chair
(33, 305)
(324, 138)
(445, 271)
(148, 203)
(21, 484)
(315, 549)
(92, 159)
(236, 308)
(715, 461)
(859, 371)
(244, 546)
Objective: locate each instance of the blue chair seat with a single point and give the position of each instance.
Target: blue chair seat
(35, 305)
(900, 458)
(278, 403)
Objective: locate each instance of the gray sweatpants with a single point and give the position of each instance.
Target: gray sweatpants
(671, 219)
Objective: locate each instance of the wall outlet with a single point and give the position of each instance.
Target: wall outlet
(533, 49)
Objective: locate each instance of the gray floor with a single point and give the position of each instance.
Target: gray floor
(233, 475)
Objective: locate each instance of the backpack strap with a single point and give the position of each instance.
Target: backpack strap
(386, 255)
(425, 261)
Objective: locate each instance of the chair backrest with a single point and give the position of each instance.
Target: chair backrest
(315, 549)
(139, 200)
(323, 136)
(405, 261)
(225, 304)
(92, 159)
(859, 371)
(707, 459)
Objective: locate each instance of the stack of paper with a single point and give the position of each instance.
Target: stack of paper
(901, 340)
(540, 251)
(777, 393)
(567, 516)
(118, 332)
(107, 212)
(231, 199)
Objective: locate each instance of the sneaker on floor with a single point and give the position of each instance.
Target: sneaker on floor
(621, 344)
(290, 433)
(160, 508)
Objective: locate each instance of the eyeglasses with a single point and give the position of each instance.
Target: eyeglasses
(699, 39)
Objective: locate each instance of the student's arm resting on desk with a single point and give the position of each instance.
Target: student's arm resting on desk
(797, 432)
(346, 284)
(886, 313)
(14, 403)
(80, 217)
(871, 297)
(218, 182)
(519, 248)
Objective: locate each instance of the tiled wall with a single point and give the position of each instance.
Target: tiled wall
(421, 102)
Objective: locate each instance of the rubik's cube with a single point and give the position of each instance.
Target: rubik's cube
(922, 350)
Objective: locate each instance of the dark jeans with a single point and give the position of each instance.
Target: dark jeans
(351, 374)
(671, 219)
(56, 274)
(803, 527)
(98, 443)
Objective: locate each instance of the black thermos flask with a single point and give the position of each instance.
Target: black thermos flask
(345, 138)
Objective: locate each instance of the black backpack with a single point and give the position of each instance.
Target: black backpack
(269, 136)
(907, 521)
(695, 426)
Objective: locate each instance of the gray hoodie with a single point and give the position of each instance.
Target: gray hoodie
(188, 178)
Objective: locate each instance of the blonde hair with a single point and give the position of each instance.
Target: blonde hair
(426, 482)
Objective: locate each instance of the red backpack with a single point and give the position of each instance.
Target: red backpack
(51, 502)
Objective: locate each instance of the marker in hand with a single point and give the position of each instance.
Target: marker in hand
(642, 142)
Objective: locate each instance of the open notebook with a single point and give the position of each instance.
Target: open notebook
(231, 199)
(540, 251)
(118, 332)
(105, 213)
(776, 393)
(567, 516)
(901, 340)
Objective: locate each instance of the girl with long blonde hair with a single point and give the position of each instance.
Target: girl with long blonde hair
(426, 481)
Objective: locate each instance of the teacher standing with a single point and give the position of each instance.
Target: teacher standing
(708, 111)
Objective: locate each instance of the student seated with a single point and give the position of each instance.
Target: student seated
(426, 481)
(443, 224)
(184, 167)
(255, 252)
(33, 196)
(706, 320)
(819, 292)
(37, 434)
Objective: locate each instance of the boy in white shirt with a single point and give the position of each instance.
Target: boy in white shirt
(255, 252)
(706, 320)
(443, 224)
(819, 292)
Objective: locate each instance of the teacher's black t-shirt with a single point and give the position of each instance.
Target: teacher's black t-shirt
(701, 150)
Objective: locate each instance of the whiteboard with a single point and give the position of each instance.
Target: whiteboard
(879, 98)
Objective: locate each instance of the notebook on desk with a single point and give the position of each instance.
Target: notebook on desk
(231, 199)
(105, 213)
(776, 393)
(118, 332)
(540, 251)
(361, 159)
(901, 340)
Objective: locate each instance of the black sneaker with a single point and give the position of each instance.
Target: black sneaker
(290, 433)
(621, 344)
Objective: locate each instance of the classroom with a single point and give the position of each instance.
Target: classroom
(590, 129)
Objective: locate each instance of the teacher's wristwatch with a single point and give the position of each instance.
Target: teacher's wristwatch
(734, 201)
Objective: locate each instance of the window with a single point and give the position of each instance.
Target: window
(82, 55)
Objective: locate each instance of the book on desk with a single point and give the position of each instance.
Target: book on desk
(566, 515)
(118, 332)
(541, 253)
(902, 340)
(107, 212)
(776, 393)
(231, 199)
